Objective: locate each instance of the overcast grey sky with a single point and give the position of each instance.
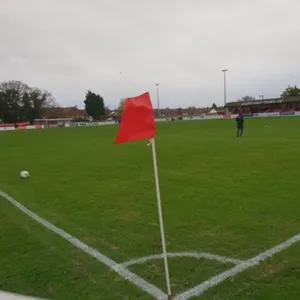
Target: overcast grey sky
(121, 48)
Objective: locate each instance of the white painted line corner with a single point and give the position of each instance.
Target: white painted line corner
(122, 271)
(201, 288)
(196, 255)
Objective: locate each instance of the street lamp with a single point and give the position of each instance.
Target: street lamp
(157, 96)
(224, 71)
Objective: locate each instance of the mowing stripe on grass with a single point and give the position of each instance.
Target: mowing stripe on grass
(197, 255)
(201, 288)
(122, 271)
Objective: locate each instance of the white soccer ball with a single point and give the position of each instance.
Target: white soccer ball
(24, 174)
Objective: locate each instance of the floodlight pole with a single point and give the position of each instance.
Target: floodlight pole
(157, 96)
(225, 89)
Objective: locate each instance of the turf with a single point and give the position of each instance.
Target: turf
(224, 195)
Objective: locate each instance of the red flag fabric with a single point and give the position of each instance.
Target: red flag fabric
(137, 122)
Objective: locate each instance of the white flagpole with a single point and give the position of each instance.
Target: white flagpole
(162, 231)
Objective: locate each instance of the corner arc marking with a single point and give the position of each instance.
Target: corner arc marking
(197, 255)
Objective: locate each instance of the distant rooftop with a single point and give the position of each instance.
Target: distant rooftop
(263, 101)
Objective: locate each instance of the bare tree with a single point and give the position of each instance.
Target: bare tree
(19, 102)
(120, 108)
(290, 91)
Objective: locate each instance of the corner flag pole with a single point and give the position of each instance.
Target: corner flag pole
(161, 223)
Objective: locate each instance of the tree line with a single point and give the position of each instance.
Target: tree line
(19, 102)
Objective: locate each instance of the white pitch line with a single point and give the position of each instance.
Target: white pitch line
(144, 285)
(197, 255)
(122, 271)
(201, 288)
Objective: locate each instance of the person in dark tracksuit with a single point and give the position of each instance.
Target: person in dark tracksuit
(240, 124)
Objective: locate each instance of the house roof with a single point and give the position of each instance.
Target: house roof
(212, 111)
(64, 112)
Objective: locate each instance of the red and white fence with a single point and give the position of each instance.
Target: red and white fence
(26, 126)
(23, 127)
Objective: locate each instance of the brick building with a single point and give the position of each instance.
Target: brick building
(64, 112)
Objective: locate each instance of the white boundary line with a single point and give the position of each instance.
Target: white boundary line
(144, 285)
(122, 271)
(197, 255)
(13, 296)
(201, 288)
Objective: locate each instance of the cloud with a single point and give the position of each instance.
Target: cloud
(121, 48)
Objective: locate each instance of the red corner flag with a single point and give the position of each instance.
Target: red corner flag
(137, 122)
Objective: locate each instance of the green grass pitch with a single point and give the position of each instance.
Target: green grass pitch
(234, 197)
